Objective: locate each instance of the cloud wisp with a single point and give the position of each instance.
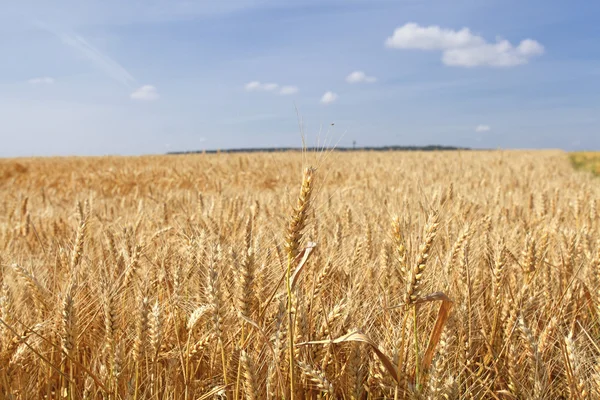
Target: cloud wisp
(288, 90)
(102, 61)
(462, 48)
(145, 93)
(482, 128)
(109, 66)
(360, 77)
(42, 80)
(329, 98)
(257, 86)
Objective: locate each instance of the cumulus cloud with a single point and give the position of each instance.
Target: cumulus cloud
(329, 97)
(44, 80)
(482, 128)
(145, 93)
(500, 54)
(360, 77)
(287, 90)
(462, 48)
(414, 36)
(258, 86)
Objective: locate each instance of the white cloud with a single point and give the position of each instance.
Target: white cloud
(500, 54)
(254, 85)
(530, 47)
(257, 86)
(462, 48)
(482, 128)
(414, 36)
(44, 80)
(329, 97)
(360, 77)
(145, 93)
(287, 90)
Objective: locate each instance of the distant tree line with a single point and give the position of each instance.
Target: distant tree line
(283, 149)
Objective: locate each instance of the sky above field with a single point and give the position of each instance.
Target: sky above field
(94, 77)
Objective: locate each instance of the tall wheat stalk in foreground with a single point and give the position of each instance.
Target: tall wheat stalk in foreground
(293, 238)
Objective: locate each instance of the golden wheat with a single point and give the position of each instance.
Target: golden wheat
(390, 275)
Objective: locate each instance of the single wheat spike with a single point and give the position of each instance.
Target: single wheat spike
(271, 381)
(529, 256)
(317, 377)
(356, 255)
(39, 293)
(322, 279)
(68, 323)
(6, 311)
(511, 364)
(546, 335)
(535, 359)
(117, 358)
(26, 225)
(437, 386)
(132, 268)
(297, 220)
(246, 291)
(251, 386)
(155, 329)
(197, 315)
(301, 330)
(112, 247)
(334, 315)
(68, 335)
(24, 203)
(110, 327)
(355, 373)
(248, 233)
(543, 209)
(200, 346)
(214, 297)
(574, 369)
(498, 271)
(338, 235)
(79, 242)
(141, 328)
(416, 274)
(458, 244)
(213, 292)
(368, 242)
(348, 216)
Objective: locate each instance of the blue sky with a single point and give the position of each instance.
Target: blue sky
(92, 77)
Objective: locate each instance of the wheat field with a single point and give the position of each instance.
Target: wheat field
(392, 275)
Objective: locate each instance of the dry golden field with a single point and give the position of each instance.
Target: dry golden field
(451, 275)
